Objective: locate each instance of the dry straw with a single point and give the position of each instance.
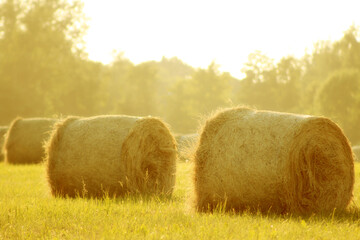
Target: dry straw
(24, 140)
(3, 130)
(111, 155)
(269, 161)
(356, 151)
(185, 144)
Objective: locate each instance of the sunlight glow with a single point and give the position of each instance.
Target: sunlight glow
(202, 31)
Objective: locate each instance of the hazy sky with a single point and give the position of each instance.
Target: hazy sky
(201, 31)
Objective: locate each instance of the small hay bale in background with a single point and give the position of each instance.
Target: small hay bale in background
(3, 130)
(270, 161)
(185, 143)
(116, 155)
(24, 140)
(356, 151)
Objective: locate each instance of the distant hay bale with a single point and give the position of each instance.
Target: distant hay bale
(185, 143)
(24, 140)
(356, 151)
(115, 155)
(3, 130)
(270, 161)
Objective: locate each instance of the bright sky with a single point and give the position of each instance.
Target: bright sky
(201, 31)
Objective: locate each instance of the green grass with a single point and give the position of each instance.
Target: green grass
(28, 211)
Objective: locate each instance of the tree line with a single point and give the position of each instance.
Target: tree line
(45, 71)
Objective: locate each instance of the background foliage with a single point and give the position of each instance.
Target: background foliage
(44, 71)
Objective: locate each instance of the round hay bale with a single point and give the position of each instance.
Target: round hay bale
(185, 143)
(114, 155)
(24, 140)
(356, 151)
(3, 130)
(269, 161)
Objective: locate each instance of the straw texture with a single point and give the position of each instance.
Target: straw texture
(24, 140)
(356, 151)
(271, 161)
(114, 155)
(185, 145)
(3, 130)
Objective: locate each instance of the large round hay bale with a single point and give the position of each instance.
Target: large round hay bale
(113, 155)
(24, 140)
(356, 151)
(185, 144)
(269, 161)
(3, 130)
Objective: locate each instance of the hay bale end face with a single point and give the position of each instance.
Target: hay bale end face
(114, 155)
(24, 140)
(270, 161)
(3, 130)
